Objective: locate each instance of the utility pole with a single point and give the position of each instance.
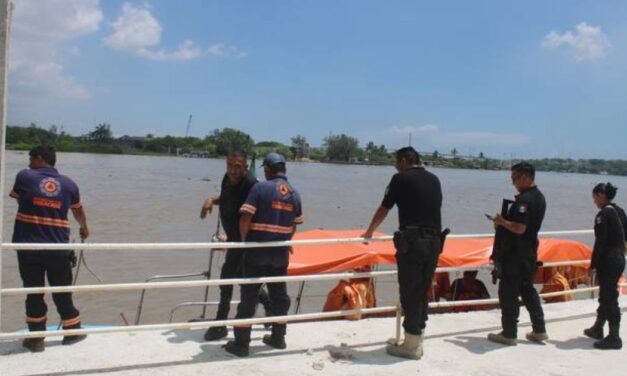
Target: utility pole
(5, 31)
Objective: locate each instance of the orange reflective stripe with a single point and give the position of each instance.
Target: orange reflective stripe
(72, 322)
(271, 228)
(47, 221)
(248, 209)
(285, 206)
(53, 204)
(77, 205)
(300, 219)
(36, 319)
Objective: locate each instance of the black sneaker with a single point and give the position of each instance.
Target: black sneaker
(594, 332)
(235, 349)
(215, 333)
(70, 340)
(34, 344)
(609, 343)
(276, 342)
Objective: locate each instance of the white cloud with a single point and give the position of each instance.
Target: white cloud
(39, 30)
(585, 43)
(222, 50)
(134, 30)
(432, 135)
(137, 31)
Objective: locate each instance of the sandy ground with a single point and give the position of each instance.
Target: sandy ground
(455, 344)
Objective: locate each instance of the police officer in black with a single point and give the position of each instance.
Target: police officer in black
(519, 258)
(236, 185)
(608, 259)
(418, 195)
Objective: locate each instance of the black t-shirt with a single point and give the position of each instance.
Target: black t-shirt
(608, 232)
(528, 209)
(231, 200)
(418, 195)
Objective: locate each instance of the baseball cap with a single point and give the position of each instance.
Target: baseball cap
(273, 159)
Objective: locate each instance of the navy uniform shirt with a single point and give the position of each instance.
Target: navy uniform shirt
(609, 236)
(44, 197)
(418, 195)
(276, 207)
(528, 209)
(231, 200)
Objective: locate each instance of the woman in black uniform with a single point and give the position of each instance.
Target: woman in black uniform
(608, 259)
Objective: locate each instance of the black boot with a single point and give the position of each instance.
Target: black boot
(236, 349)
(612, 341)
(70, 340)
(216, 332)
(278, 342)
(596, 330)
(35, 344)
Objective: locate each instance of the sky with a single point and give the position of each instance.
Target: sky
(515, 79)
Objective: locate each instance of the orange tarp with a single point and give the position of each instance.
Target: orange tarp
(457, 252)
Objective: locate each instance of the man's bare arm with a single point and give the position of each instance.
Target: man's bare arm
(377, 219)
(244, 225)
(207, 206)
(81, 218)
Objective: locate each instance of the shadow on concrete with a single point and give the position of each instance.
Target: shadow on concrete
(579, 343)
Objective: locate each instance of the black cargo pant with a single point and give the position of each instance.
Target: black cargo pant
(232, 268)
(58, 268)
(609, 271)
(250, 297)
(416, 259)
(517, 277)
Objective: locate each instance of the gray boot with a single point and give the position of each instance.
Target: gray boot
(411, 348)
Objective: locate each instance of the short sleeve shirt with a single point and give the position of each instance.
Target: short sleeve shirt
(44, 197)
(418, 195)
(275, 207)
(528, 209)
(232, 197)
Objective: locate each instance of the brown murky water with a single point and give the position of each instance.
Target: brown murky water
(157, 199)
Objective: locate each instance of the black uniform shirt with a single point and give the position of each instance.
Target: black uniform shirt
(528, 209)
(418, 195)
(231, 199)
(608, 233)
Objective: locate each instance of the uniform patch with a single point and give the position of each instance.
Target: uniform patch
(50, 187)
(284, 189)
(522, 209)
(599, 220)
(387, 190)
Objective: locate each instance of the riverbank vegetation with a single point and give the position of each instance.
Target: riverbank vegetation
(335, 149)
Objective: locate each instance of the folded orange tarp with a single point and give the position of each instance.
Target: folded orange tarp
(318, 259)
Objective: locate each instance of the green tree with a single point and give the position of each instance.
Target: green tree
(101, 134)
(341, 147)
(300, 147)
(228, 139)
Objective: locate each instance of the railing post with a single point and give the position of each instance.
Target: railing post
(5, 17)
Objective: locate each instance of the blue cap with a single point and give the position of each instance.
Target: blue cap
(273, 159)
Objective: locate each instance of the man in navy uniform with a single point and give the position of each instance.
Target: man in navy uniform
(45, 197)
(270, 213)
(520, 257)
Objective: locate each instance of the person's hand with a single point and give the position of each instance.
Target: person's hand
(291, 249)
(499, 220)
(84, 231)
(207, 207)
(367, 235)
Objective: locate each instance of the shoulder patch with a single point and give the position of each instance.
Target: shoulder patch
(598, 220)
(522, 209)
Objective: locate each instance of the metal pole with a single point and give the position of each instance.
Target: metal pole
(5, 32)
(204, 308)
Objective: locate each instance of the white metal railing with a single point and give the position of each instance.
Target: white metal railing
(233, 245)
(205, 283)
(287, 318)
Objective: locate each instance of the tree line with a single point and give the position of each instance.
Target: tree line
(335, 149)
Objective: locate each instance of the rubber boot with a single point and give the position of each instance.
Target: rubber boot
(596, 330)
(411, 348)
(70, 340)
(35, 344)
(500, 338)
(612, 341)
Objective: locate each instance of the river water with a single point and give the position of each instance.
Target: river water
(158, 199)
